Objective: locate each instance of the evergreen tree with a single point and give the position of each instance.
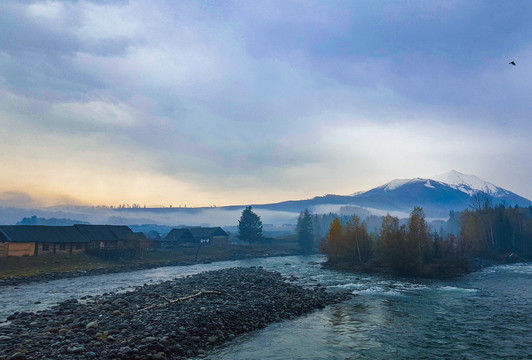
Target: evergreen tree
(305, 232)
(250, 226)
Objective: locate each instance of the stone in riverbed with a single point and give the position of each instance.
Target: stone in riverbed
(92, 325)
(125, 350)
(212, 339)
(149, 339)
(76, 349)
(17, 355)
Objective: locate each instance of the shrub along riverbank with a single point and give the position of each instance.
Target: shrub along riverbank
(171, 320)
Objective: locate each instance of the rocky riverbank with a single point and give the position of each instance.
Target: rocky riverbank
(171, 320)
(233, 255)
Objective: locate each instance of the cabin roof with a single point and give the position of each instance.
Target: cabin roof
(40, 233)
(178, 234)
(205, 232)
(104, 232)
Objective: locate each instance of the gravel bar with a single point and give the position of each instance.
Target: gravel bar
(175, 319)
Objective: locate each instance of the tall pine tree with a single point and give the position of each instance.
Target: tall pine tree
(305, 232)
(250, 226)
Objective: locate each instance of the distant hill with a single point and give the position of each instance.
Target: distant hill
(34, 220)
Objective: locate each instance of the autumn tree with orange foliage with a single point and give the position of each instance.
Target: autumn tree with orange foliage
(352, 246)
(403, 249)
(356, 241)
(497, 232)
(333, 247)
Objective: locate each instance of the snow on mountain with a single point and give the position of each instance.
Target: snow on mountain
(437, 195)
(470, 184)
(429, 185)
(397, 183)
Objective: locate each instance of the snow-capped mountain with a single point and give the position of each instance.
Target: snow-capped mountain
(437, 195)
(436, 198)
(470, 184)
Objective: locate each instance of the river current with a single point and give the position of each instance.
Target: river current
(484, 315)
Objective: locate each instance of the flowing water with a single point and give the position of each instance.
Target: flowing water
(485, 315)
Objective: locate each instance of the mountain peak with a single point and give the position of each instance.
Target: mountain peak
(469, 183)
(454, 176)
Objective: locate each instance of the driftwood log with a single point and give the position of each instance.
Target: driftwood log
(181, 299)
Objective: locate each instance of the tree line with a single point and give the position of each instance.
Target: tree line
(410, 247)
(491, 231)
(503, 233)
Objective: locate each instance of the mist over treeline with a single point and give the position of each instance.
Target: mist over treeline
(34, 220)
(495, 223)
(165, 216)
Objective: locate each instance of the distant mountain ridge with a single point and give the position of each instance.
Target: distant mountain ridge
(437, 195)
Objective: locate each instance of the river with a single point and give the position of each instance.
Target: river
(484, 315)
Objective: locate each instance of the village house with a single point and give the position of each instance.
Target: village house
(176, 238)
(22, 240)
(210, 236)
(194, 237)
(105, 237)
(114, 240)
(31, 240)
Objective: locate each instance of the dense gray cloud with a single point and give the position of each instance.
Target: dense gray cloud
(239, 102)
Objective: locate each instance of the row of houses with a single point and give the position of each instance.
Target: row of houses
(29, 240)
(33, 240)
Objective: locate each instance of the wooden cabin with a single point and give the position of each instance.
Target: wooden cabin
(194, 237)
(210, 236)
(30, 240)
(105, 236)
(176, 238)
(23, 240)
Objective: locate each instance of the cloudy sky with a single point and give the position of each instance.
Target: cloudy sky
(239, 102)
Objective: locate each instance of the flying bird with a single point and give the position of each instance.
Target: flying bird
(512, 63)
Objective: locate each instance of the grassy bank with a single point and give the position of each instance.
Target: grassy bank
(40, 265)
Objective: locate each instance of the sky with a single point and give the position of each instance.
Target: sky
(204, 103)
